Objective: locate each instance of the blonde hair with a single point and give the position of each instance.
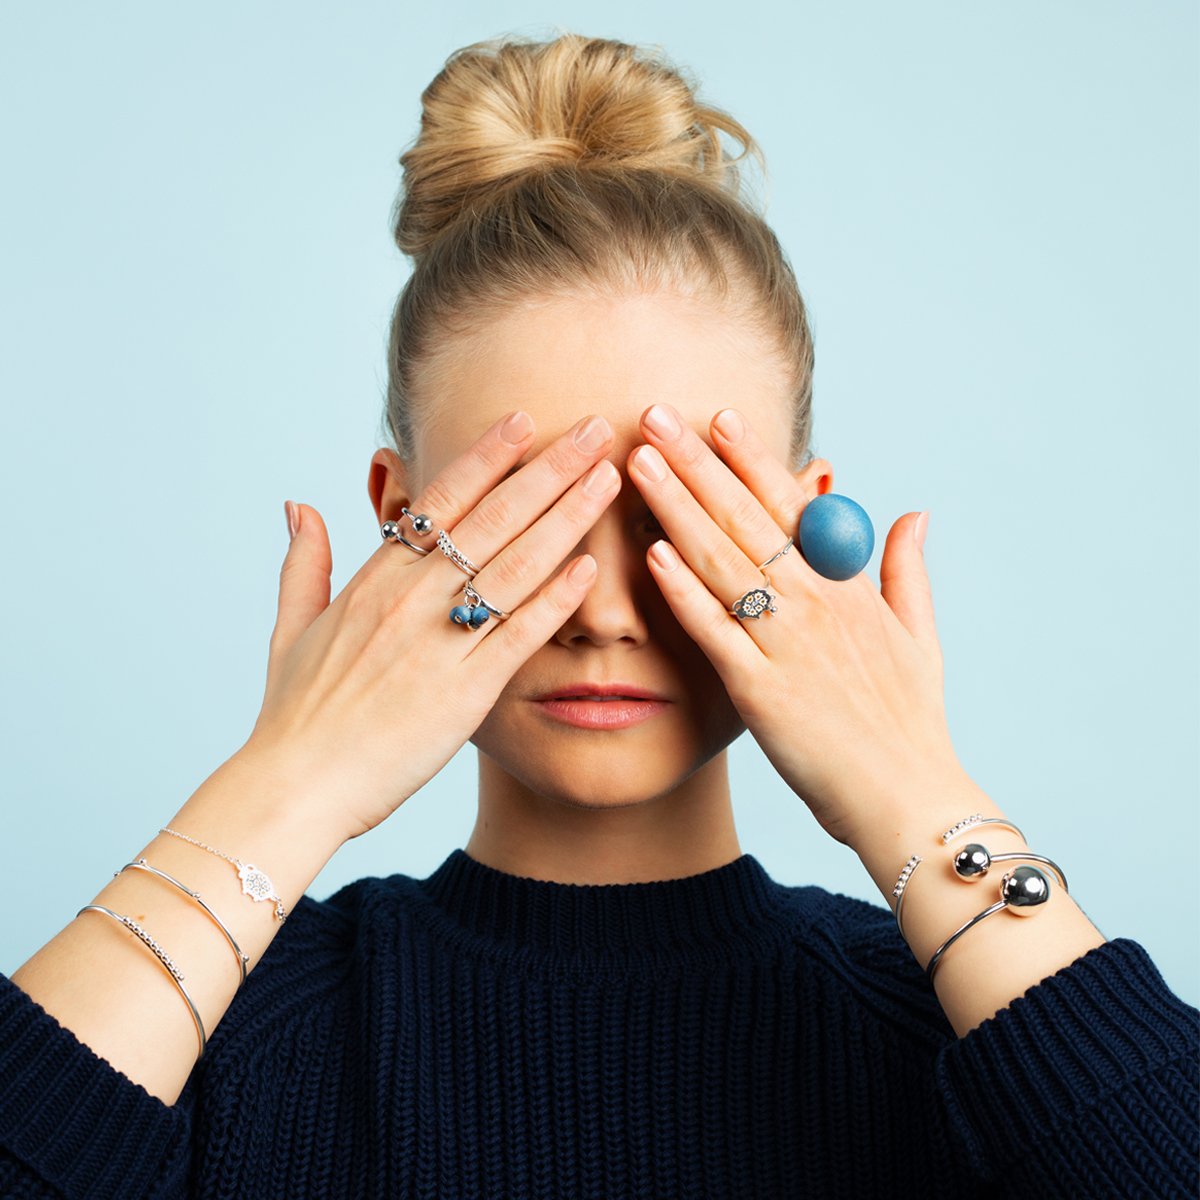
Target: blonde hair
(573, 166)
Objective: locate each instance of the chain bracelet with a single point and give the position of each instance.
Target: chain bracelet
(255, 883)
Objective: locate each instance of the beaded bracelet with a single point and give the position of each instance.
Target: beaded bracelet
(255, 883)
(162, 956)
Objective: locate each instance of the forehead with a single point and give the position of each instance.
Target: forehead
(562, 358)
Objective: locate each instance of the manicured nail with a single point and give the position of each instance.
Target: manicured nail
(600, 478)
(664, 554)
(592, 435)
(650, 463)
(919, 528)
(292, 512)
(582, 569)
(662, 421)
(729, 425)
(517, 428)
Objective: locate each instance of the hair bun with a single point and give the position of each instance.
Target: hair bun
(504, 109)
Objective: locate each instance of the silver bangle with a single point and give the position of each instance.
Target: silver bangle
(954, 831)
(162, 957)
(1023, 891)
(142, 865)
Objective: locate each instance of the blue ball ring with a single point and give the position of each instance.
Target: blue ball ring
(835, 536)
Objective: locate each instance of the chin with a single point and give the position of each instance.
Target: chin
(594, 769)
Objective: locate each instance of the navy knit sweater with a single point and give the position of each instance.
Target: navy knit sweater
(480, 1034)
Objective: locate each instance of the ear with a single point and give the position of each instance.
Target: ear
(389, 484)
(814, 479)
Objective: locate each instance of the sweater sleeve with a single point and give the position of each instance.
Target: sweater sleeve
(1086, 1085)
(72, 1125)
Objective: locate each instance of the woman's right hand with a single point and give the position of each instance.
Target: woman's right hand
(369, 696)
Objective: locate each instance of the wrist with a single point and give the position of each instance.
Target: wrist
(914, 817)
(256, 796)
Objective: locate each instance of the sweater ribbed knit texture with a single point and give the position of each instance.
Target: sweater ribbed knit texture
(480, 1034)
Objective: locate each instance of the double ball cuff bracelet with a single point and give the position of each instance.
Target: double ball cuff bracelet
(1023, 890)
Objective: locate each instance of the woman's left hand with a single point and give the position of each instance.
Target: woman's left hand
(842, 686)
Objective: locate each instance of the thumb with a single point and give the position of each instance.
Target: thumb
(303, 578)
(904, 581)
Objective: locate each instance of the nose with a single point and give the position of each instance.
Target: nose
(610, 612)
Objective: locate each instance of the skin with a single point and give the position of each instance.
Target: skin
(551, 805)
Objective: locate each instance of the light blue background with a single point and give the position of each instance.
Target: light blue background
(992, 210)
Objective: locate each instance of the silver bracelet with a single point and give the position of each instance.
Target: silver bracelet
(142, 865)
(915, 860)
(255, 883)
(1023, 890)
(162, 957)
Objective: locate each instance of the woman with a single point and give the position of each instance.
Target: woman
(599, 393)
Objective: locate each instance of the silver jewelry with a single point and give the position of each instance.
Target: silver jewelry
(1023, 891)
(454, 554)
(391, 532)
(162, 957)
(420, 522)
(255, 883)
(971, 864)
(977, 819)
(954, 831)
(778, 554)
(476, 610)
(142, 865)
(755, 602)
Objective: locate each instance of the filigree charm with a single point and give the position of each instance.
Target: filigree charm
(753, 604)
(258, 886)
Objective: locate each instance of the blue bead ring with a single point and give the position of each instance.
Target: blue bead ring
(475, 611)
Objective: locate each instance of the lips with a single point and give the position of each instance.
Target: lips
(601, 691)
(606, 710)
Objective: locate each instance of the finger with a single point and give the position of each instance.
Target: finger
(510, 577)
(460, 485)
(759, 468)
(700, 613)
(731, 504)
(904, 582)
(533, 623)
(303, 580)
(511, 507)
(717, 560)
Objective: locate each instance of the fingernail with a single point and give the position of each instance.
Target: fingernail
(292, 512)
(729, 425)
(662, 421)
(664, 554)
(582, 569)
(592, 435)
(600, 478)
(517, 428)
(650, 463)
(919, 528)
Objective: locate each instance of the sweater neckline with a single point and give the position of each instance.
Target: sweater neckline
(732, 902)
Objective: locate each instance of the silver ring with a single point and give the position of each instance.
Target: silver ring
(391, 532)
(454, 554)
(752, 604)
(778, 554)
(473, 597)
(476, 611)
(421, 523)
